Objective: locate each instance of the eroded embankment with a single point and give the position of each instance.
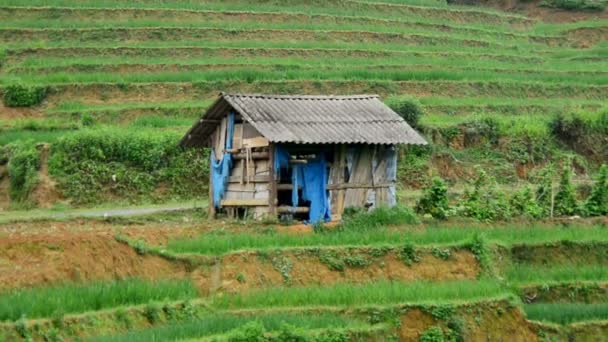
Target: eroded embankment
(324, 266)
(45, 259)
(50, 258)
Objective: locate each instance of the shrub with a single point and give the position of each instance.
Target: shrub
(290, 333)
(565, 198)
(544, 192)
(434, 201)
(250, 332)
(133, 165)
(523, 203)
(23, 167)
(410, 111)
(484, 202)
(23, 96)
(597, 203)
(432, 334)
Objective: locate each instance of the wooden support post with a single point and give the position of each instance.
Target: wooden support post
(211, 206)
(341, 180)
(272, 184)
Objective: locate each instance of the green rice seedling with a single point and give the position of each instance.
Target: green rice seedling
(224, 323)
(211, 243)
(566, 313)
(534, 274)
(74, 298)
(377, 294)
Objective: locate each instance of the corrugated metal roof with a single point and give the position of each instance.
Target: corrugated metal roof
(306, 119)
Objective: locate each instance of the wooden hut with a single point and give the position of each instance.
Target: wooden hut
(308, 157)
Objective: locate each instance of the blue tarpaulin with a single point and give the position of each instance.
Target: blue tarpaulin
(312, 178)
(220, 169)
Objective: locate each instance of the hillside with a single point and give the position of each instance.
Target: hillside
(489, 83)
(501, 229)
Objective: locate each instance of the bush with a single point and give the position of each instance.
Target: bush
(434, 201)
(250, 332)
(23, 96)
(544, 192)
(565, 198)
(597, 203)
(410, 111)
(23, 167)
(91, 164)
(432, 334)
(523, 203)
(484, 202)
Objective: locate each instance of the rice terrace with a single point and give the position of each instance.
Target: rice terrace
(282, 170)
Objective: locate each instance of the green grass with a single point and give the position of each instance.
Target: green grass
(565, 313)
(223, 323)
(223, 242)
(75, 298)
(346, 73)
(486, 17)
(379, 293)
(534, 274)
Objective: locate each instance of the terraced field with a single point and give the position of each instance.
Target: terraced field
(158, 278)
(154, 66)
(96, 95)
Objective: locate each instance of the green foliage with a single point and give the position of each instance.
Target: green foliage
(408, 254)
(434, 201)
(523, 203)
(18, 95)
(409, 110)
(379, 217)
(544, 192)
(597, 203)
(152, 313)
(565, 198)
(484, 202)
(332, 336)
(92, 165)
(290, 333)
(250, 332)
(441, 253)
(23, 167)
(22, 328)
(73, 298)
(432, 334)
(566, 313)
(576, 5)
(479, 247)
(413, 165)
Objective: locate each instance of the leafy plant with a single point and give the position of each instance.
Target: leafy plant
(484, 202)
(434, 201)
(408, 254)
(410, 111)
(597, 203)
(432, 334)
(23, 167)
(251, 332)
(523, 203)
(18, 95)
(152, 313)
(441, 253)
(565, 198)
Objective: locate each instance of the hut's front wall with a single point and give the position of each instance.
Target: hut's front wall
(362, 176)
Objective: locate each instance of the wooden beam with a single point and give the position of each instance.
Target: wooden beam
(286, 187)
(357, 186)
(244, 202)
(254, 155)
(298, 161)
(272, 185)
(285, 209)
(255, 179)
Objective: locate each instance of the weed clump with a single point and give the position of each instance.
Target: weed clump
(23, 166)
(565, 198)
(432, 334)
(18, 95)
(597, 203)
(434, 201)
(410, 111)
